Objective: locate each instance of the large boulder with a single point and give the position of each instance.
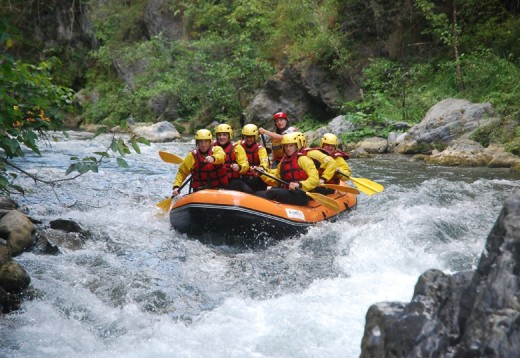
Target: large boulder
(17, 229)
(467, 314)
(447, 120)
(299, 91)
(157, 132)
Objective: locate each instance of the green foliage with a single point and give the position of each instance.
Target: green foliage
(366, 120)
(117, 146)
(513, 146)
(309, 123)
(33, 105)
(309, 30)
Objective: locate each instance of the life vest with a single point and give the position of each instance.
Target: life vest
(207, 174)
(252, 155)
(290, 170)
(317, 163)
(338, 153)
(231, 158)
(276, 144)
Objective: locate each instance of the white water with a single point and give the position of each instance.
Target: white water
(137, 289)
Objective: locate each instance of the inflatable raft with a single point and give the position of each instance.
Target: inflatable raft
(232, 217)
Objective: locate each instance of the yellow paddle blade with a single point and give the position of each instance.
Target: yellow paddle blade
(341, 188)
(165, 204)
(324, 200)
(367, 186)
(170, 157)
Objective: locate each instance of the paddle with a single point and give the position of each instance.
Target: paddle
(170, 157)
(167, 203)
(367, 186)
(268, 150)
(341, 188)
(322, 199)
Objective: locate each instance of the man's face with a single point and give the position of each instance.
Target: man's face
(249, 139)
(289, 149)
(329, 147)
(203, 145)
(223, 138)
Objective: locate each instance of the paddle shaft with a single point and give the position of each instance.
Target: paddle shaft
(263, 141)
(275, 178)
(167, 203)
(322, 199)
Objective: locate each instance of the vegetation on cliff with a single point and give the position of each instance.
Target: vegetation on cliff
(404, 56)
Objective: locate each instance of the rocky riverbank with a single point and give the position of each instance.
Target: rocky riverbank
(467, 314)
(16, 232)
(450, 134)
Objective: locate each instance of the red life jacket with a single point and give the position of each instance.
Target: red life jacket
(207, 174)
(290, 170)
(338, 153)
(231, 158)
(252, 155)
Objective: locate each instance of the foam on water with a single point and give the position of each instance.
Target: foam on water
(137, 289)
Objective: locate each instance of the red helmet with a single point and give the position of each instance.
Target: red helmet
(279, 115)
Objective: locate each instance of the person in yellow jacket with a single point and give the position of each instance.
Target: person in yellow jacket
(205, 163)
(329, 143)
(296, 169)
(325, 164)
(256, 156)
(236, 159)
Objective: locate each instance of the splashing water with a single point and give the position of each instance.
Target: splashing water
(138, 289)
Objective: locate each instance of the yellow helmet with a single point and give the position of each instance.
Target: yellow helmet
(250, 129)
(302, 139)
(203, 134)
(292, 138)
(224, 128)
(329, 138)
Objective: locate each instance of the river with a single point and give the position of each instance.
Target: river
(138, 289)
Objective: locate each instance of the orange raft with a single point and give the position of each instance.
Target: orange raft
(227, 216)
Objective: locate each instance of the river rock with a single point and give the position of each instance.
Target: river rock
(158, 132)
(5, 254)
(374, 145)
(17, 229)
(445, 121)
(66, 225)
(7, 204)
(463, 152)
(13, 277)
(467, 314)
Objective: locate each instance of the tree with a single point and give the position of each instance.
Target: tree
(31, 106)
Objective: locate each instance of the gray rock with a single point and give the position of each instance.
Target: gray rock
(447, 120)
(17, 229)
(13, 277)
(158, 132)
(468, 314)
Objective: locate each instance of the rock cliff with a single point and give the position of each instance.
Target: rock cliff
(468, 314)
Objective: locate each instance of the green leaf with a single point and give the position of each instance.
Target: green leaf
(103, 154)
(122, 163)
(135, 146)
(114, 146)
(143, 140)
(70, 169)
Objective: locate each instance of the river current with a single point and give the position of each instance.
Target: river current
(136, 288)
